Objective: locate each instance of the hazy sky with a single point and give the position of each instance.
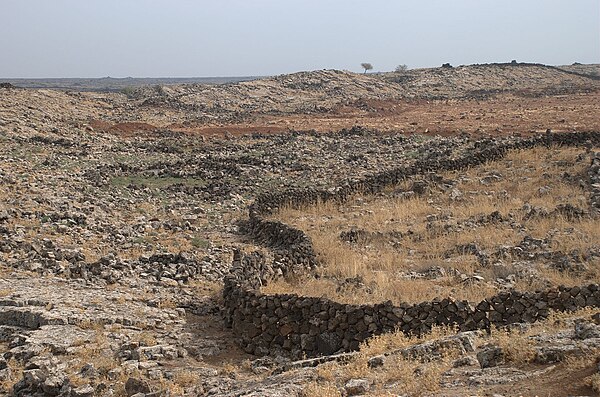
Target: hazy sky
(185, 38)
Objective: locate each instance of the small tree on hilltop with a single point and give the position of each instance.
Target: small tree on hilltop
(401, 68)
(366, 66)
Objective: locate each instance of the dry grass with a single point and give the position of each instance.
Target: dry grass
(16, 370)
(326, 389)
(186, 378)
(228, 369)
(99, 353)
(91, 325)
(6, 292)
(518, 348)
(422, 376)
(398, 340)
(167, 303)
(206, 288)
(381, 265)
(594, 382)
(146, 339)
(399, 375)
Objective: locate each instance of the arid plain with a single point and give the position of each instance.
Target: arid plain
(428, 232)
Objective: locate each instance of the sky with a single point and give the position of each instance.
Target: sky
(187, 38)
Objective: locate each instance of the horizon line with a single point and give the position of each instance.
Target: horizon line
(281, 74)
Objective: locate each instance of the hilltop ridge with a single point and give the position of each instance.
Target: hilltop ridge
(322, 90)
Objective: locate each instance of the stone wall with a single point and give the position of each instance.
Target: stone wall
(484, 151)
(291, 247)
(312, 326)
(315, 326)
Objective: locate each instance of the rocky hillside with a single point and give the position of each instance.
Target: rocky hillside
(321, 91)
(587, 69)
(482, 80)
(303, 92)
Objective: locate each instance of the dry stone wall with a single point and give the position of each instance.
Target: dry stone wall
(315, 326)
(312, 326)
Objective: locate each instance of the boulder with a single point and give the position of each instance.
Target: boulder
(490, 356)
(586, 330)
(135, 386)
(357, 387)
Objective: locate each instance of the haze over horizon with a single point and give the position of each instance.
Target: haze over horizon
(184, 38)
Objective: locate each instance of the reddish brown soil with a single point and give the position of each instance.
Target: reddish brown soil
(499, 115)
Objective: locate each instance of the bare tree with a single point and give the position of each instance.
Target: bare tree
(366, 66)
(401, 68)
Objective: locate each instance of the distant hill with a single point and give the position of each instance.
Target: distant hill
(445, 82)
(489, 79)
(322, 90)
(108, 84)
(240, 98)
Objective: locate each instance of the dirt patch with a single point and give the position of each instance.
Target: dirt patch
(100, 125)
(561, 381)
(498, 116)
(210, 328)
(501, 115)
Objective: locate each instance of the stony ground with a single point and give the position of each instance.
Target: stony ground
(118, 220)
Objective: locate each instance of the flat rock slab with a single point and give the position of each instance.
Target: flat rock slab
(61, 337)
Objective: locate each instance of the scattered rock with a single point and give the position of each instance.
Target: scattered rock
(357, 387)
(135, 385)
(586, 330)
(490, 356)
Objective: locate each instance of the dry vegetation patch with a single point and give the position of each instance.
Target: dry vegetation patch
(424, 373)
(409, 375)
(521, 222)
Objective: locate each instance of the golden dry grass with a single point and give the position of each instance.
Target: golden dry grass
(6, 292)
(399, 375)
(321, 389)
(146, 339)
(381, 264)
(594, 382)
(186, 378)
(518, 348)
(415, 376)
